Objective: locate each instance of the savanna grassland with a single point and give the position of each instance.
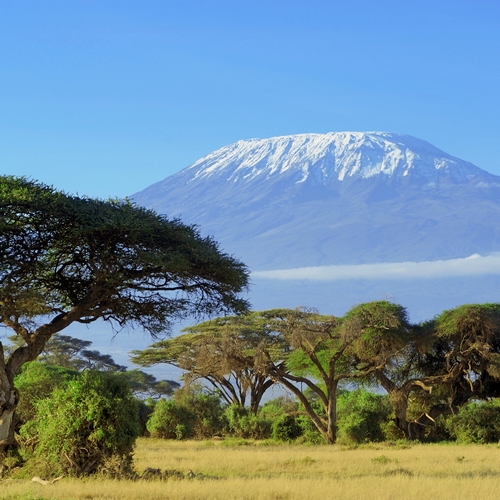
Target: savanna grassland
(257, 471)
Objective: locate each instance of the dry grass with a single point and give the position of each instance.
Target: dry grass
(258, 472)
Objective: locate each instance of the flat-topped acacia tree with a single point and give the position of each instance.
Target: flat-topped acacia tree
(222, 351)
(67, 259)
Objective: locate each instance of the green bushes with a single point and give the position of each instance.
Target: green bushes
(206, 408)
(193, 413)
(84, 427)
(286, 428)
(244, 424)
(35, 382)
(476, 423)
(362, 416)
(170, 421)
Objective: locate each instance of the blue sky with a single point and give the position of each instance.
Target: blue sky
(106, 97)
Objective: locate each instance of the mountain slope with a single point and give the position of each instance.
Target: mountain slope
(337, 198)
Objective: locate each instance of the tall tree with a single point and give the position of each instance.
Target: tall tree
(321, 352)
(66, 259)
(451, 359)
(223, 352)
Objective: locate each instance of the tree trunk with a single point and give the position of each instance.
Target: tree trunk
(331, 432)
(400, 404)
(8, 402)
(257, 390)
(9, 395)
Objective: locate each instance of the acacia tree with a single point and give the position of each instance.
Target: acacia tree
(223, 352)
(451, 359)
(66, 259)
(321, 352)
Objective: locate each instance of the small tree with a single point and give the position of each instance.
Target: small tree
(362, 416)
(449, 360)
(476, 423)
(170, 420)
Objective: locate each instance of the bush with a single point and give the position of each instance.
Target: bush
(309, 432)
(82, 428)
(244, 424)
(35, 382)
(362, 416)
(286, 428)
(476, 423)
(206, 407)
(170, 420)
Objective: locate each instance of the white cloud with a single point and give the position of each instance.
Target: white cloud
(468, 266)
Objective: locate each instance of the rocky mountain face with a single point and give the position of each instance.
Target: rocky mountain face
(336, 198)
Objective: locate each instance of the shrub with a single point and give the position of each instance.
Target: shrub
(90, 423)
(286, 428)
(206, 408)
(244, 424)
(35, 382)
(362, 416)
(476, 423)
(170, 420)
(309, 432)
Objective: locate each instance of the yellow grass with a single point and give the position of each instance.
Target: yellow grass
(291, 472)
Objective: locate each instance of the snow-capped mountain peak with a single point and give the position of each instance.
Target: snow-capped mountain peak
(336, 198)
(331, 157)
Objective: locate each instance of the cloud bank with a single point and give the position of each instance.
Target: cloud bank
(469, 266)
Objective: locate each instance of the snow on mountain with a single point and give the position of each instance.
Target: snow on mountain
(342, 198)
(330, 157)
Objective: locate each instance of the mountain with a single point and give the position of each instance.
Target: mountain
(336, 198)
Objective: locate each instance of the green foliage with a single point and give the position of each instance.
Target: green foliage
(112, 259)
(282, 405)
(171, 420)
(286, 428)
(206, 408)
(476, 423)
(362, 416)
(242, 423)
(84, 426)
(36, 382)
(476, 317)
(375, 330)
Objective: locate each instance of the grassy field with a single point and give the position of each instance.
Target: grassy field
(258, 471)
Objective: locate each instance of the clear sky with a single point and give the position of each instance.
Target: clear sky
(106, 97)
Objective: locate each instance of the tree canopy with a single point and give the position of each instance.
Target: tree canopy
(325, 351)
(223, 351)
(66, 259)
(449, 360)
